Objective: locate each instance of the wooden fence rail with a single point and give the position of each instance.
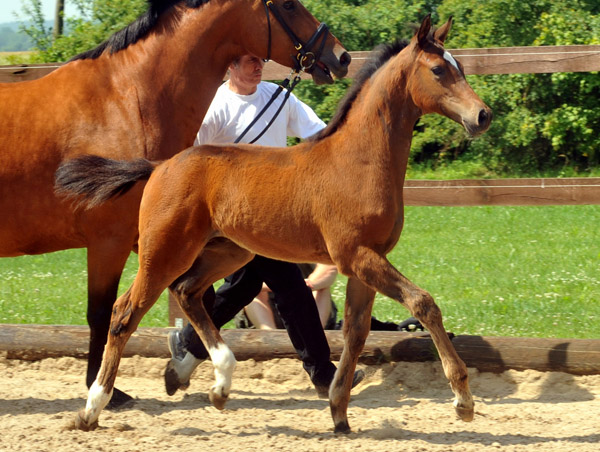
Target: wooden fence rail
(499, 60)
(503, 192)
(488, 354)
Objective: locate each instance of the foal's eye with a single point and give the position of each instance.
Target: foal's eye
(289, 5)
(437, 70)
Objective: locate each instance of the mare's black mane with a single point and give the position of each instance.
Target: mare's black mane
(382, 53)
(137, 29)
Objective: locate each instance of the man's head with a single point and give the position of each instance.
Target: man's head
(245, 74)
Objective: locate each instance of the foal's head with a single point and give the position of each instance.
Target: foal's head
(437, 83)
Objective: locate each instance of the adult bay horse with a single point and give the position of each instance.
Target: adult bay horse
(142, 93)
(212, 202)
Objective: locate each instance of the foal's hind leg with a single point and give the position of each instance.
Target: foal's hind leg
(375, 271)
(158, 267)
(105, 265)
(220, 258)
(127, 313)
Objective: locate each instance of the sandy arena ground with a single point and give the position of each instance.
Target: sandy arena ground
(399, 406)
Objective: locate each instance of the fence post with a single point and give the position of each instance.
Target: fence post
(177, 317)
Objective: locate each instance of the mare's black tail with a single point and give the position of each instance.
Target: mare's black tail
(93, 180)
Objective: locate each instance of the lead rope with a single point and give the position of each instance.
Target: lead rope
(281, 87)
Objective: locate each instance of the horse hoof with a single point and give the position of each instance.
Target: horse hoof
(217, 400)
(120, 401)
(464, 413)
(172, 382)
(342, 427)
(82, 424)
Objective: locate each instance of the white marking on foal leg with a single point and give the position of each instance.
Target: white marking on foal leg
(97, 400)
(224, 363)
(450, 59)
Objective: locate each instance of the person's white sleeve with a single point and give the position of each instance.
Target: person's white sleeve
(207, 130)
(302, 121)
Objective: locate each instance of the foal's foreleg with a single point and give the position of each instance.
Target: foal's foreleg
(378, 273)
(357, 320)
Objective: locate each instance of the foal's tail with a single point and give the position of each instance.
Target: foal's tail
(93, 180)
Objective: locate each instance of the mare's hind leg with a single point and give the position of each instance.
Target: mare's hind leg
(376, 271)
(357, 321)
(219, 258)
(105, 265)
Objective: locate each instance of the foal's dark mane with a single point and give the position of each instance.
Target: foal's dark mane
(137, 29)
(383, 53)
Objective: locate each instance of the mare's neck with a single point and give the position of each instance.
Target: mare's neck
(176, 71)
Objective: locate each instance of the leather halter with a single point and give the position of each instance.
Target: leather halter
(305, 61)
(306, 58)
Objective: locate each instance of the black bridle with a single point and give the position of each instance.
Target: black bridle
(306, 58)
(304, 61)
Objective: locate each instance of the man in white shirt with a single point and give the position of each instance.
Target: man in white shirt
(241, 98)
(236, 104)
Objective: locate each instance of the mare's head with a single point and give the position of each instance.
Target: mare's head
(290, 35)
(282, 30)
(437, 81)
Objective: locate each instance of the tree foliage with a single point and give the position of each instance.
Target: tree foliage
(95, 21)
(544, 123)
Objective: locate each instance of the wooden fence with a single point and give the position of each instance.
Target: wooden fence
(499, 60)
(488, 354)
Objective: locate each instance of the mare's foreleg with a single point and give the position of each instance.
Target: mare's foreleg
(376, 271)
(357, 322)
(219, 259)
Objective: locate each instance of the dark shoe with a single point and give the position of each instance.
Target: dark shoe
(323, 391)
(378, 325)
(359, 376)
(176, 346)
(177, 349)
(410, 324)
(120, 401)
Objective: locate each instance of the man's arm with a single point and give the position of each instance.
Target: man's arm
(303, 122)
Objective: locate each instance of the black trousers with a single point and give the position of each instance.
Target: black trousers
(294, 302)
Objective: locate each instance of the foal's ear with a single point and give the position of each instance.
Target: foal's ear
(424, 30)
(441, 33)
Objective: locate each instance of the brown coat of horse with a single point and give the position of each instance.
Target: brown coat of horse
(206, 211)
(143, 93)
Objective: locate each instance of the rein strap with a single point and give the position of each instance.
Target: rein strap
(284, 85)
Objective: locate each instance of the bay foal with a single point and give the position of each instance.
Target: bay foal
(206, 211)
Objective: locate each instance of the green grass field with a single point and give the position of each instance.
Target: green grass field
(498, 271)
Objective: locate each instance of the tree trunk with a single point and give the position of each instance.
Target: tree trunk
(58, 18)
